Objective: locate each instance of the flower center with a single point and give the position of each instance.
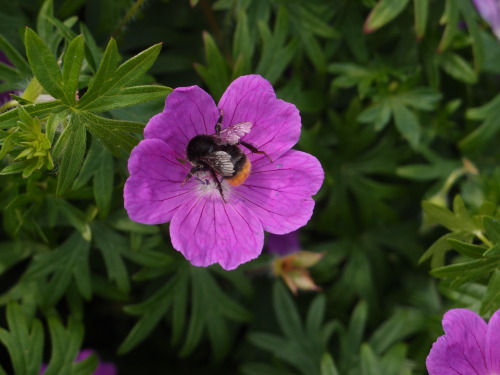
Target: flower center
(207, 186)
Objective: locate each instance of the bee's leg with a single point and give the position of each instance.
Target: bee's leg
(218, 125)
(191, 172)
(219, 186)
(255, 150)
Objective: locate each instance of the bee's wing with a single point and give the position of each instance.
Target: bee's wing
(232, 134)
(221, 162)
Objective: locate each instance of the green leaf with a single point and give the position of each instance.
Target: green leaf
(308, 18)
(467, 249)
(490, 109)
(9, 73)
(109, 81)
(17, 167)
(286, 312)
(450, 17)
(72, 64)
(315, 315)
(491, 300)
(216, 75)
(314, 51)
(152, 310)
(423, 98)
(111, 245)
(470, 270)
(328, 365)
(14, 56)
(370, 363)
(276, 53)
(406, 123)
(467, 12)
(89, 165)
(43, 25)
(53, 122)
(457, 67)
(103, 182)
(482, 135)
(133, 68)
(492, 228)
(9, 119)
(379, 114)
(85, 367)
(72, 215)
(384, 12)
(243, 45)
(127, 97)
(114, 134)
(44, 66)
(201, 284)
(443, 216)
(105, 73)
(70, 149)
(252, 368)
(65, 345)
(402, 324)
(92, 51)
(425, 172)
(439, 248)
(421, 9)
(66, 263)
(24, 340)
(62, 27)
(356, 328)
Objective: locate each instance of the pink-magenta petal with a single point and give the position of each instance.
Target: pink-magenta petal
(490, 11)
(189, 111)
(493, 344)
(106, 368)
(206, 231)
(154, 189)
(279, 194)
(276, 124)
(461, 351)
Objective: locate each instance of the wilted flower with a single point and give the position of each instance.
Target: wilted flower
(490, 11)
(469, 346)
(103, 368)
(293, 269)
(223, 222)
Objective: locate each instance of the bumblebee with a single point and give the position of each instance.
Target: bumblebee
(219, 154)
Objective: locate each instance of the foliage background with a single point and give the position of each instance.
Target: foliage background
(398, 101)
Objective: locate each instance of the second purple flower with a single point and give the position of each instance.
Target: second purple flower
(490, 11)
(220, 203)
(469, 346)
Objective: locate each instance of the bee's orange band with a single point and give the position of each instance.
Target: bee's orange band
(242, 175)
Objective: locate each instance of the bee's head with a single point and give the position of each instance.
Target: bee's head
(200, 145)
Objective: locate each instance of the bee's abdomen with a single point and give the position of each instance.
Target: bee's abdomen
(241, 173)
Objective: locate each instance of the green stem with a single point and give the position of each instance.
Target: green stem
(481, 236)
(8, 105)
(33, 90)
(128, 16)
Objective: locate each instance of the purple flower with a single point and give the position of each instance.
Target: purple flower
(469, 346)
(490, 11)
(103, 368)
(223, 222)
(283, 244)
